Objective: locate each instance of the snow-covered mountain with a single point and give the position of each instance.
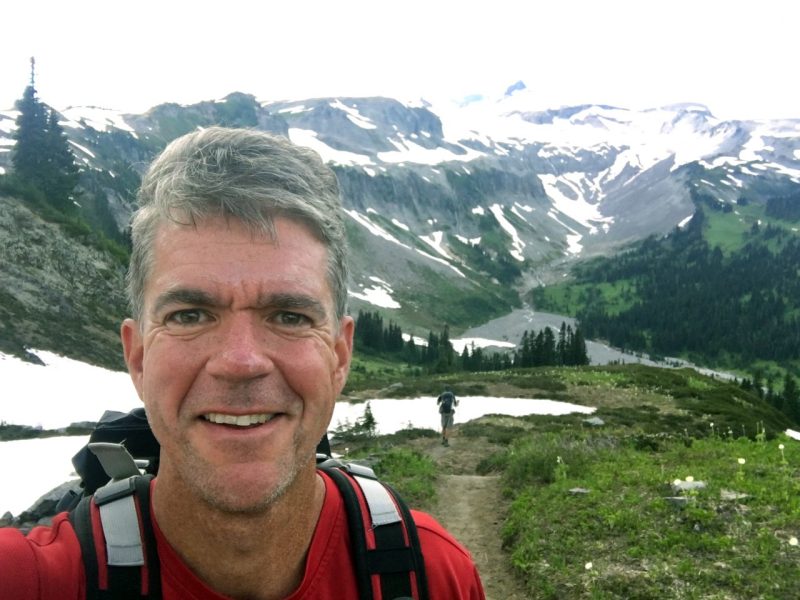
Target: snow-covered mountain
(456, 208)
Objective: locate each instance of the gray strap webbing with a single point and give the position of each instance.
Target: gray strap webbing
(121, 530)
(120, 521)
(382, 508)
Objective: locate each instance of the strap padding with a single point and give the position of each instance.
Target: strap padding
(120, 521)
(382, 509)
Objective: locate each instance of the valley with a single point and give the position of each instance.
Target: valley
(456, 216)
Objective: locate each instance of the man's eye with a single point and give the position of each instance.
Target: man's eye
(292, 319)
(190, 316)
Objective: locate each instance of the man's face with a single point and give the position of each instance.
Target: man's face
(237, 359)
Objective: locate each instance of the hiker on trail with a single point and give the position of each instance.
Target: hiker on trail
(238, 345)
(447, 402)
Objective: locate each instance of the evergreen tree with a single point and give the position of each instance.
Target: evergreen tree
(548, 348)
(791, 397)
(577, 352)
(562, 343)
(538, 353)
(42, 157)
(366, 425)
(432, 351)
(478, 359)
(410, 352)
(525, 355)
(445, 347)
(61, 173)
(28, 158)
(466, 359)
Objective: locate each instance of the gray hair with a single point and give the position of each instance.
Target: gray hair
(243, 174)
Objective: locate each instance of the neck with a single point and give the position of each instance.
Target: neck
(257, 555)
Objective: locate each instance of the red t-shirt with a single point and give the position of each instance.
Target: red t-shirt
(47, 565)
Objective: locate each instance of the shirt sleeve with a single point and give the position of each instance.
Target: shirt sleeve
(44, 565)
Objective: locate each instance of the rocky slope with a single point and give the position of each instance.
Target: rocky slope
(57, 292)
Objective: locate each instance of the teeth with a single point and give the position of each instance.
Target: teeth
(238, 420)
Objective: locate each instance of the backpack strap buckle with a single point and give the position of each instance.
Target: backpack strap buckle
(114, 490)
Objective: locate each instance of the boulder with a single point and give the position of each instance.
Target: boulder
(44, 509)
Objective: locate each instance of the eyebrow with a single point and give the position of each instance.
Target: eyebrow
(189, 296)
(293, 302)
(197, 297)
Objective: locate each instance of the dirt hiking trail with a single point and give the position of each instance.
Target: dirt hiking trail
(472, 508)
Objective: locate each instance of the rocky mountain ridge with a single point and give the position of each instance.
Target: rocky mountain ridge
(454, 211)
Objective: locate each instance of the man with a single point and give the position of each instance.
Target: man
(447, 402)
(238, 347)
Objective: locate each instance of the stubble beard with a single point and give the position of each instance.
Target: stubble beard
(211, 486)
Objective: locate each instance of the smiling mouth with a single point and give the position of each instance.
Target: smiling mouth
(238, 420)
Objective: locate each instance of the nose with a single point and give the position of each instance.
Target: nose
(240, 350)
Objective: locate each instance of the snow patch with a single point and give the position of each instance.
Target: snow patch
(379, 294)
(59, 391)
(374, 229)
(434, 240)
(353, 115)
(468, 342)
(469, 241)
(309, 139)
(568, 194)
(441, 261)
(99, 119)
(294, 110)
(411, 152)
(574, 238)
(83, 149)
(402, 226)
(506, 225)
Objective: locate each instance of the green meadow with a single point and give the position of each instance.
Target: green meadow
(680, 486)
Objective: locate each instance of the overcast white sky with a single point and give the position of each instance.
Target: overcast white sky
(737, 57)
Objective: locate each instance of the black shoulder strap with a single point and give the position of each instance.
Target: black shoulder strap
(397, 556)
(130, 579)
(133, 568)
(413, 540)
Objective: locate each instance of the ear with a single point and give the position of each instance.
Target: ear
(133, 351)
(343, 348)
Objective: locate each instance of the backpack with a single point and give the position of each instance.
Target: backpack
(116, 499)
(447, 400)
